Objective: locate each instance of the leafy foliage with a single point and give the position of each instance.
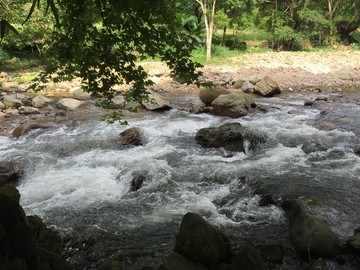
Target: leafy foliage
(102, 41)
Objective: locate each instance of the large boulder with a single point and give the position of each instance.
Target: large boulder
(81, 94)
(69, 104)
(40, 101)
(132, 136)
(208, 95)
(156, 102)
(248, 258)
(231, 136)
(200, 242)
(267, 87)
(26, 127)
(177, 262)
(18, 247)
(311, 237)
(232, 105)
(9, 173)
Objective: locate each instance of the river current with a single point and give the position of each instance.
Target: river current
(78, 179)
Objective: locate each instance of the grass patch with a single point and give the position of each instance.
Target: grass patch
(21, 61)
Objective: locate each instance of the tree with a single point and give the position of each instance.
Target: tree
(208, 8)
(102, 41)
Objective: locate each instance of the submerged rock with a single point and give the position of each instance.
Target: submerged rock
(26, 127)
(208, 95)
(232, 105)
(231, 136)
(311, 237)
(198, 241)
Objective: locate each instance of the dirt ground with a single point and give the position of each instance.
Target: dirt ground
(293, 71)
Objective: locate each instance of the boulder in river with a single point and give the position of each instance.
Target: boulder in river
(232, 105)
(267, 87)
(69, 103)
(40, 101)
(132, 136)
(26, 127)
(156, 102)
(9, 173)
(231, 136)
(208, 95)
(2, 106)
(200, 242)
(311, 237)
(12, 102)
(28, 110)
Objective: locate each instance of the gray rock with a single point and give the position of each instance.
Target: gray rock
(156, 102)
(177, 262)
(69, 103)
(232, 105)
(12, 102)
(28, 110)
(231, 136)
(198, 241)
(311, 237)
(208, 95)
(2, 115)
(319, 264)
(40, 101)
(11, 112)
(26, 127)
(132, 136)
(267, 87)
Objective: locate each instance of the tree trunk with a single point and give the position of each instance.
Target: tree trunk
(224, 36)
(209, 18)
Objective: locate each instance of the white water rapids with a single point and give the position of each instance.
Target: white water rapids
(78, 179)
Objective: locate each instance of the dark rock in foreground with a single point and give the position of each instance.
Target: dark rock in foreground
(198, 241)
(311, 237)
(18, 248)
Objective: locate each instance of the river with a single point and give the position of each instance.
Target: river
(78, 179)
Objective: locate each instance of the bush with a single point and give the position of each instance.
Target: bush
(3, 55)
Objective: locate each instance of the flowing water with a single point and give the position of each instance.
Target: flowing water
(78, 179)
